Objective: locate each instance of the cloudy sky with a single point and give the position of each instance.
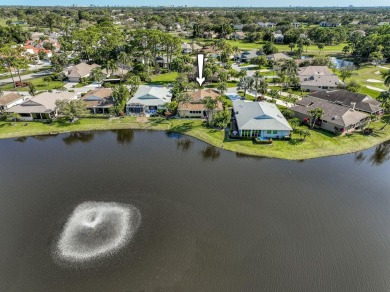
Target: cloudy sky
(209, 3)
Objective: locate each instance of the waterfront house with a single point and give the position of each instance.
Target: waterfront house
(99, 101)
(356, 101)
(317, 78)
(195, 107)
(148, 99)
(337, 118)
(9, 100)
(42, 106)
(82, 70)
(238, 35)
(259, 119)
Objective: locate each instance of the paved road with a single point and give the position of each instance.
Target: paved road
(25, 77)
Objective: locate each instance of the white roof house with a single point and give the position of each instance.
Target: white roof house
(260, 119)
(148, 99)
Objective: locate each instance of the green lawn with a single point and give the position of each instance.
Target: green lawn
(38, 82)
(319, 144)
(165, 78)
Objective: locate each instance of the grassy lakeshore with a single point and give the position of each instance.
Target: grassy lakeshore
(320, 143)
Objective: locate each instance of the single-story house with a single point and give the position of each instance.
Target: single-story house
(99, 101)
(246, 56)
(357, 101)
(148, 99)
(259, 119)
(190, 48)
(9, 100)
(295, 24)
(195, 108)
(238, 35)
(278, 57)
(117, 72)
(162, 61)
(42, 106)
(238, 26)
(266, 24)
(336, 118)
(82, 70)
(329, 24)
(317, 78)
(278, 38)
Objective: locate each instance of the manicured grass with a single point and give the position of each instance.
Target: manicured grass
(320, 143)
(165, 78)
(38, 82)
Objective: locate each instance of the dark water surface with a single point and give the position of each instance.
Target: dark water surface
(211, 220)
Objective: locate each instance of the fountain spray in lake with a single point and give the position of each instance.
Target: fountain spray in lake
(95, 230)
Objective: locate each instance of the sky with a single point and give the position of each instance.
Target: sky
(200, 3)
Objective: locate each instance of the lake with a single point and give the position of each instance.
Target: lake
(210, 220)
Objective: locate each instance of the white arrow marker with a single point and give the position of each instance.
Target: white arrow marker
(200, 77)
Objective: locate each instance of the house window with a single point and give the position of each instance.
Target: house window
(274, 132)
(269, 132)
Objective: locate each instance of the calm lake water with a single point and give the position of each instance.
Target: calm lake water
(211, 220)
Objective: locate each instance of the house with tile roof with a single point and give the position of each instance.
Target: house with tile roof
(337, 118)
(148, 99)
(354, 100)
(317, 78)
(259, 119)
(42, 106)
(9, 100)
(99, 101)
(82, 70)
(195, 107)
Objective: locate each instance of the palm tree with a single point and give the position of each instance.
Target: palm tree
(97, 75)
(291, 46)
(246, 83)
(306, 42)
(124, 59)
(316, 114)
(274, 93)
(259, 83)
(236, 52)
(304, 134)
(111, 65)
(210, 104)
(386, 76)
(320, 46)
(222, 87)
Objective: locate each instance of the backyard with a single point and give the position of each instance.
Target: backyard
(321, 143)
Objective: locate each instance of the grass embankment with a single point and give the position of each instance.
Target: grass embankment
(38, 82)
(320, 143)
(164, 79)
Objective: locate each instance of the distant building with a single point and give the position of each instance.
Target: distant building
(317, 78)
(82, 70)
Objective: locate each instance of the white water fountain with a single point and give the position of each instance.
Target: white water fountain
(95, 230)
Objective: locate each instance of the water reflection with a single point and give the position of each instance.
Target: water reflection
(210, 153)
(124, 136)
(83, 137)
(184, 144)
(21, 139)
(381, 153)
(248, 156)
